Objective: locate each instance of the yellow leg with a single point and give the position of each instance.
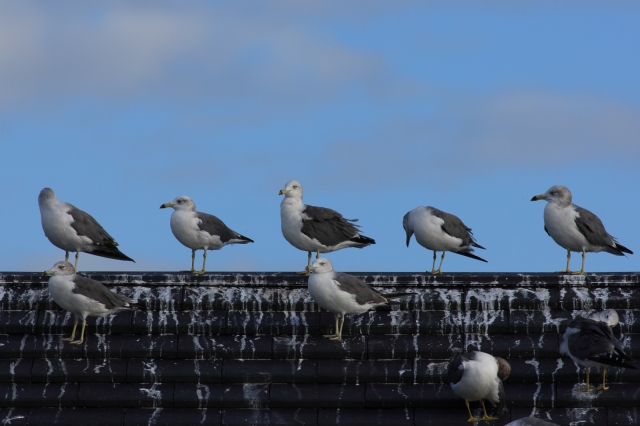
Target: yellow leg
(581, 271)
(79, 342)
(77, 257)
(339, 332)
(587, 388)
(307, 270)
(566, 271)
(486, 417)
(329, 336)
(439, 271)
(204, 263)
(73, 333)
(193, 262)
(433, 267)
(66, 256)
(604, 386)
(471, 418)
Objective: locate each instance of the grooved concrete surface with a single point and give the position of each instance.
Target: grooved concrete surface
(246, 349)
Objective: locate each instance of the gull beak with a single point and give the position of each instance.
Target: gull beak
(539, 197)
(165, 205)
(408, 239)
(283, 192)
(47, 272)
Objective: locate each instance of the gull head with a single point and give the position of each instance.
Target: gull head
(608, 316)
(181, 203)
(556, 194)
(321, 265)
(61, 268)
(292, 189)
(45, 195)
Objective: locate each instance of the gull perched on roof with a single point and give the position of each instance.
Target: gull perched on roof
(476, 376)
(592, 344)
(83, 297)
(574, 228)
(200, 231)
(72, 229)
(316, 229)
(343, 294)
(439, 231)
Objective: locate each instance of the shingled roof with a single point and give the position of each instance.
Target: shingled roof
(246, 349)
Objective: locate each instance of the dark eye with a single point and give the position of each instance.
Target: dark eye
(295, 186)
(322, 263)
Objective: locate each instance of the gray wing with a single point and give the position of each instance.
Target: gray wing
(84, 224)
(327, 226)
(592, 228)
(214, 226)
(453, 226)
(97, 291)
(593, 339)
(364, 294)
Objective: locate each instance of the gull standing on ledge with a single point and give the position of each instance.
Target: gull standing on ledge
(592, 344)
(476, 376)
(343, 294)
(200, 231)
(316, 229)
(574, 228)
(72, 229)
(439, 231)
(83, 297)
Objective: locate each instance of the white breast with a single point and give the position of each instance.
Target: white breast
(184, 226)
(428, 231)
(291, 224)
(561, 225)
(479, 381)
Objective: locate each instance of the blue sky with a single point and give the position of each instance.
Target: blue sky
(375, 107)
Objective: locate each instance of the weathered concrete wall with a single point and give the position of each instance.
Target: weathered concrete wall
(247, 349)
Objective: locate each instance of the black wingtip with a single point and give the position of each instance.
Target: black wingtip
(623, 249)
(363, 240)
(473, 256)
(112, 254)
(478, 246)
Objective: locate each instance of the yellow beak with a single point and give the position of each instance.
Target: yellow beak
(283, 191)
(539, 197)
(47, 272)
(165, 205)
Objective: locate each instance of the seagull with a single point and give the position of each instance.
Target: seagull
(592, 344)
(200, 231)
(531, 421)
(316, 229)
(83, 297)
(72, 229)
(574, 228)
(439, 231)
(343, 294)
(476, 376)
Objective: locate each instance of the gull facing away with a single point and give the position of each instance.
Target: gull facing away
(83, 297)
(574, 228)
(72, 229)
(316, 229)
(200, 231)
(531, 421)
(343, 294)
(476, 376)
(592, 344)
(439, 231)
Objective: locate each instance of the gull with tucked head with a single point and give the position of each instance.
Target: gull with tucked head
(72, 229)
(200, 231)
(316, 229)
(83, 297)
(343, 294)
(574, 228)
(439, 231)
